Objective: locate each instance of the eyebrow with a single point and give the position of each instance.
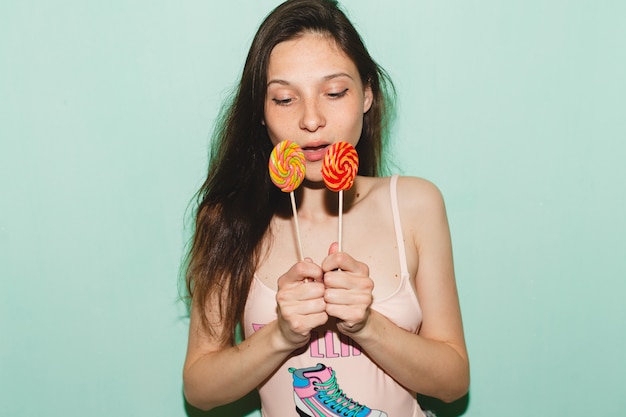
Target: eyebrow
(325, 78)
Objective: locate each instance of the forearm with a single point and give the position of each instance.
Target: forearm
(434, 368)
(225, 375)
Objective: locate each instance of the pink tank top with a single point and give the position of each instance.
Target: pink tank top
(331, 376)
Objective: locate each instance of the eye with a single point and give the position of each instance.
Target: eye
(282, 102)
(339, 94)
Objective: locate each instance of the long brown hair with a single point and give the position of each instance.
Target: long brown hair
(237, 201)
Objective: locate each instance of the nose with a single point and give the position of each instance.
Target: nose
(312, 117)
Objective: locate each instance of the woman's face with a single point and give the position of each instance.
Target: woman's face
(315, 97)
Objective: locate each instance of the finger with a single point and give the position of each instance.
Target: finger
(310, 291)
(349, 297)
(334, 248)
(344, 262)
(293, 295)
(305, 307)
(303, 324)
(297, 328)
(299, 272)
(349, 315)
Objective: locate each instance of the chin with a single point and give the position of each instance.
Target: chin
(314, 181)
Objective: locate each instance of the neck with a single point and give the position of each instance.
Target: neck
(316, 202)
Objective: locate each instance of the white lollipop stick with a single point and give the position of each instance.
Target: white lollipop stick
(295, 220)
(286, 168)
(340, 231)
(339, 168)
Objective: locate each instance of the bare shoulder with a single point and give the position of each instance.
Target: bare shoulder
(413, 193)
(419, 200)
(419, 195)
(371, 188)
(422, 210)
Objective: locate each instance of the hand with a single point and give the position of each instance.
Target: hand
(301, 305)
(348, 292)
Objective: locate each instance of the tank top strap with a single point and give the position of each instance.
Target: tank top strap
(393, 188)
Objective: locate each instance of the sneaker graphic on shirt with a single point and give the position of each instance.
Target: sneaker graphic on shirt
(317, 394)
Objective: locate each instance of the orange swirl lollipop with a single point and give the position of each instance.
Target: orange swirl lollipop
(287, 166)
(340, 166)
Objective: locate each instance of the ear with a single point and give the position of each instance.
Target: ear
(368, 98)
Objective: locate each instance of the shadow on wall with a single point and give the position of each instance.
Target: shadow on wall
(240, 408)
(441, 409)
(249, 403)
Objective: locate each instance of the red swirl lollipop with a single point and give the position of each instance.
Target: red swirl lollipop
(340, 166)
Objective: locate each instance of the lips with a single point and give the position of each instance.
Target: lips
(315, 152)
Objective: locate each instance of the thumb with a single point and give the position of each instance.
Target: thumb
(334, 248)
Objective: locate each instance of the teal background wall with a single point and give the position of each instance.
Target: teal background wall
(515, 109)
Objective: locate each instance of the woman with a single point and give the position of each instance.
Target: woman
(356, 332)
